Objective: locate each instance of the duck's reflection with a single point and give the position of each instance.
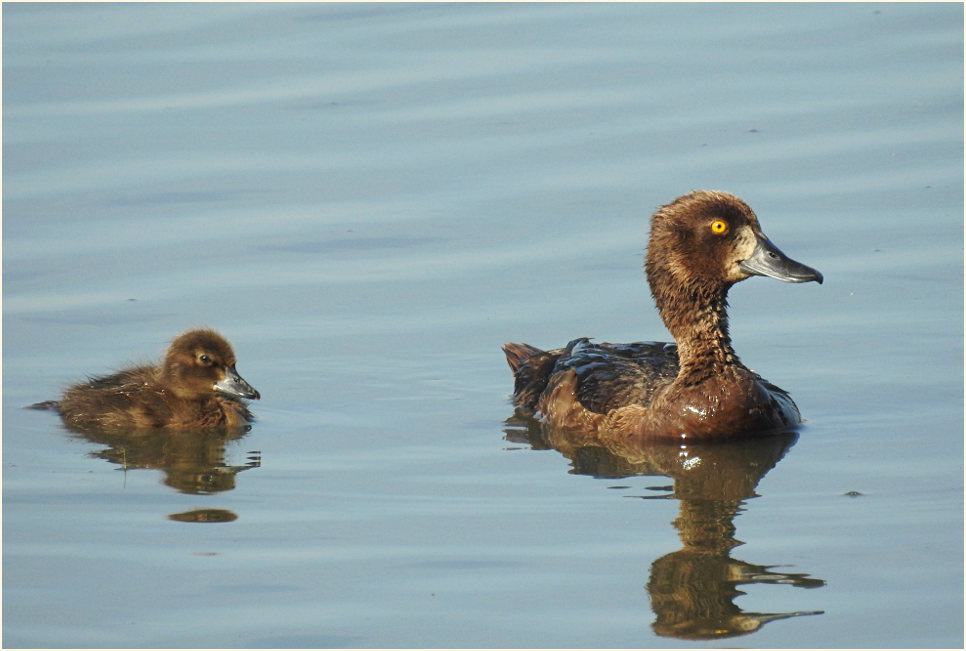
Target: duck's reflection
(692, 590)
(204, 515)
(193, 462)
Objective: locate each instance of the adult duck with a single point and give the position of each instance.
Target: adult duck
(700, 245)
(195, 387)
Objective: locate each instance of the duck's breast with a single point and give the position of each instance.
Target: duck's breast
(734, 404)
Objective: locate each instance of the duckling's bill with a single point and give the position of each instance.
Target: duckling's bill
(235, 385)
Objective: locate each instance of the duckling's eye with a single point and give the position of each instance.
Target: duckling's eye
(204, 359)
(719, 227)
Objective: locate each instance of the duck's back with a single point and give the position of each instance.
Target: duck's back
(606, 376)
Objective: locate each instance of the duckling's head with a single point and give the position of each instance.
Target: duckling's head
(706, 241)
(201, 363)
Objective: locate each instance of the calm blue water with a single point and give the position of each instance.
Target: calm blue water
(368, 200)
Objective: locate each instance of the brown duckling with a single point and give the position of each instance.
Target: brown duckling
(195, 387)
(700, 245)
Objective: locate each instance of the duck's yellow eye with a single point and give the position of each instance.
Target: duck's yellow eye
(719, 227)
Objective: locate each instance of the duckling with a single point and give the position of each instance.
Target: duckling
(700, 245)
(195, 387)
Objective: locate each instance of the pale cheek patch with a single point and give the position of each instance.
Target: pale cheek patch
(745, 243)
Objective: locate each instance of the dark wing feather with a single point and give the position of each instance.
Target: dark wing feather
(616, 375)
(608, 375)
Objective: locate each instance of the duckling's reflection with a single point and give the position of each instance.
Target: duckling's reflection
(692, 590)
(193, 462)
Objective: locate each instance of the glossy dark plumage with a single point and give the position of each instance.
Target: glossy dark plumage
(700, 245)
(195, 387)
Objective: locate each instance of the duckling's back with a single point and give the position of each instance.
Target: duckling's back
(116, 401)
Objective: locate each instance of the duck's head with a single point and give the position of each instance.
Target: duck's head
(201, 363)
(706, 241)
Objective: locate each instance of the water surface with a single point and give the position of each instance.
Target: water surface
(368, 200)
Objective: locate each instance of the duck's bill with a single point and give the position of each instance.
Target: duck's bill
(768, 260)
(235, 385)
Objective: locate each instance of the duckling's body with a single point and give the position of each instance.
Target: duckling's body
(195, 387)
(700, 245)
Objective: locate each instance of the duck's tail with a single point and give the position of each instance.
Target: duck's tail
(531, 368)
(518, 354)
(46, 404)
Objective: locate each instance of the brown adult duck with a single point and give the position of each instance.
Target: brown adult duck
(195, 387)
(701, 244)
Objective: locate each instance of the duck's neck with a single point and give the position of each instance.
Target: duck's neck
(698, 320)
